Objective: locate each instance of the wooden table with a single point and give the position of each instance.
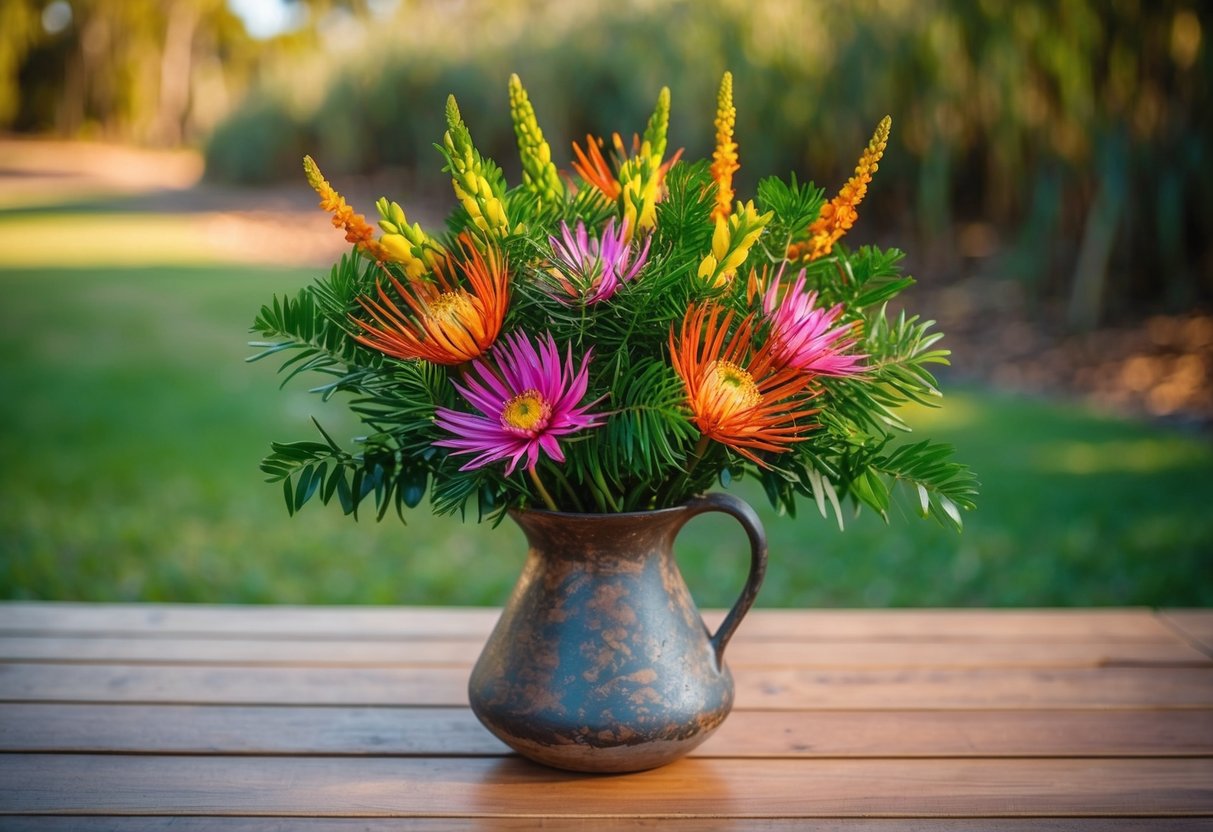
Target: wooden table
(146, 717)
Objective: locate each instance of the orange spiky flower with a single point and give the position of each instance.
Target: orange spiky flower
(724, 159)
(839, 214)
(592, 167)
(357, 230)
(738, 397)
(444, 323)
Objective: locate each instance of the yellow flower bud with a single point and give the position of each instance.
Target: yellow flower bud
(736, 257)
(720, 239)
(397, 214)
(399, 250)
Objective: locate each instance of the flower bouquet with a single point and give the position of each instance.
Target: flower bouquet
(619, 337)
(591, 353)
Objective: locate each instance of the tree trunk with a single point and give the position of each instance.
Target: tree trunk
(176, 66)
(1090, 282)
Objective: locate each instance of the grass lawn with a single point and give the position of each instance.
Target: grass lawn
(132, 432)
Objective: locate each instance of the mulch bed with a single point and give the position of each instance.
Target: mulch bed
(1159, 368)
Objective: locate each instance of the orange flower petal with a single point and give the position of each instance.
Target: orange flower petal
(736, 395)
(445, 323)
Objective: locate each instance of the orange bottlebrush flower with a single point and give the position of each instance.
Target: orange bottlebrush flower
(445, 323)
(738, 397)
(839, 214)
(724, 159)
(357, 230)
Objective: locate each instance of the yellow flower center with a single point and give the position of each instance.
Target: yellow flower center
(731, 388)
(526, 413)
(450, 308)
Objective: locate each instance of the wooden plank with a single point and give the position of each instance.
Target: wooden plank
(463, 652)
(1194, 625)
(20, 618)
(759, 688)
(235, 729)
(979, 688)
(265, 621)
(476, 787)
(277, 652)
(955, 625)
(34, 823)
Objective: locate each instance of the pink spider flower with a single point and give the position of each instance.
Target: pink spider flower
(527, 399)
(591, 270)
(804, 337)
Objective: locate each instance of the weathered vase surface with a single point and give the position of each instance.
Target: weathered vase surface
(600, 661)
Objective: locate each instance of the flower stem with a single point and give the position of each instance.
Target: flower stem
(700, 449)
(543, 492)
(684, 482)
(603, 489)
(568, 488)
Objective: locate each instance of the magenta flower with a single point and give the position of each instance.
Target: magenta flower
(801, 334)
(589, 270)
(526, 402)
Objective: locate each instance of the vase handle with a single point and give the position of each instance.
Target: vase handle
(746, 516)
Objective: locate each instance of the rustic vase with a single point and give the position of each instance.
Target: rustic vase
(600, 661)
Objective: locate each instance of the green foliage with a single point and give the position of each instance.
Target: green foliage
(129, 474)
(795, 206)
(826, 436)
(316, 327)
(256, 142)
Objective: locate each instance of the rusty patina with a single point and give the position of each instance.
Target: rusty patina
(601, 661)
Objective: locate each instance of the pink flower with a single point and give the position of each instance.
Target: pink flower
(526, 402)
(802, 337)
(590, 270)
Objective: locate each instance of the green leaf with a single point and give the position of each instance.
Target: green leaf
(412, 486)
(306, 486)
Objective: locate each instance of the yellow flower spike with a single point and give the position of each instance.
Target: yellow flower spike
(357, 230)
(539, 175)
(724, 160)
(658, 127)
(641, 175)
(732, 241)
(390, 213)
(407, 244)
(641, 187)
(480, 195)
(839, 214)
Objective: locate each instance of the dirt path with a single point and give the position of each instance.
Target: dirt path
(104, 187)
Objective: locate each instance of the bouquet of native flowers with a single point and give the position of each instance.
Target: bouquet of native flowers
(619, 338)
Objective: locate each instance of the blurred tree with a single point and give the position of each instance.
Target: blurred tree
(21, 25)
(1065, 144)
(124, 69)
